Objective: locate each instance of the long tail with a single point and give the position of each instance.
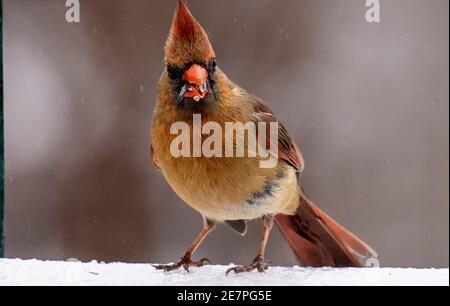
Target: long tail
(317, 240)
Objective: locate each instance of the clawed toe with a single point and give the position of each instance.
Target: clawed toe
(167, 268)
(185, 262)
(257, 264)
(204, 262)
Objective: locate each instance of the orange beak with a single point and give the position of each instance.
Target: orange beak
(196, 77)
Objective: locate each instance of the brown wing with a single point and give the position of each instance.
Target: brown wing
(287, 149)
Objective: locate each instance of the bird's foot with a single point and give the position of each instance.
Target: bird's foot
(257, 264)
(184, 262)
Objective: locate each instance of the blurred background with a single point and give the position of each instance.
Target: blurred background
(368, 105)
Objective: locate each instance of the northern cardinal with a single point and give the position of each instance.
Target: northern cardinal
(233, 190)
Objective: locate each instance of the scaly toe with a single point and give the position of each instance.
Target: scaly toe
(167, 268)
(203, 262)
(236, 270)
(258, 264)
(185, 262)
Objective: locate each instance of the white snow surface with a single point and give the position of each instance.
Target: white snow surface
(42, 273)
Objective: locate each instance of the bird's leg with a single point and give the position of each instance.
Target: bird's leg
(258, 263)
(185, 260)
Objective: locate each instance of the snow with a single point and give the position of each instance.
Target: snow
(34, 272)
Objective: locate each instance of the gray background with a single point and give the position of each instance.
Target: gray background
(367, 103)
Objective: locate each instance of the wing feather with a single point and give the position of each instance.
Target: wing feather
(287, 149)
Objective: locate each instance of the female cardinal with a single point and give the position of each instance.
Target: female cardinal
(235, 189)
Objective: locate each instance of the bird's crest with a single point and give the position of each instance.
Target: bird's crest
(188, 41)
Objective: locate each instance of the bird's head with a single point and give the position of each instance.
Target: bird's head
(190, 61)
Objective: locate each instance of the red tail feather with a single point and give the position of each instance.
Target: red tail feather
(317, 240)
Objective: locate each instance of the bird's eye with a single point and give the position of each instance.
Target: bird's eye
(174, 72)
(212, 63)
(211, 67)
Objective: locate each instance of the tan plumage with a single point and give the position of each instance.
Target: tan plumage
(218, 187)
(231, 189)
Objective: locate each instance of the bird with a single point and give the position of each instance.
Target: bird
(235, 190)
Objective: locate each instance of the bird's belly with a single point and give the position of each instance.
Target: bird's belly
(243, 211)
(224, 190)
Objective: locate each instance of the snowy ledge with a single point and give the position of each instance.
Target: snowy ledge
(34, 272)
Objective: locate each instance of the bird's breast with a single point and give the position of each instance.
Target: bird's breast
(232, 188)
(221, 188)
